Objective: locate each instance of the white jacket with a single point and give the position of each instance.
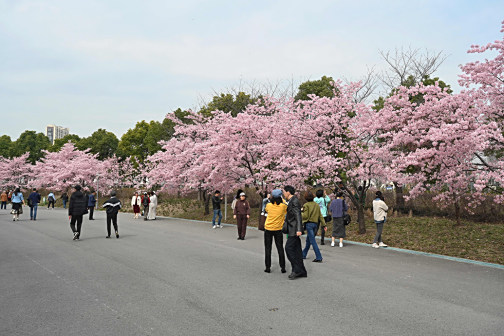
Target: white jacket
(139, 201)
(380, 210)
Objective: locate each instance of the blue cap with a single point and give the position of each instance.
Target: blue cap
(276, 193)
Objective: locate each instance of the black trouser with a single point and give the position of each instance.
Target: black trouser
(78, 219)
(113, 219)
(241, 224)
(49, 204)
(322, 233)
(295, 254)
(4, 205)
(91, 211)
(146, 211)
(268, 241)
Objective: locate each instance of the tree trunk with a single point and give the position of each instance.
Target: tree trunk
(206, 199)
(399, 198)
(360, 218)
(457, 213)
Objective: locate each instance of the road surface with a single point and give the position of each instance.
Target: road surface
(176, 277)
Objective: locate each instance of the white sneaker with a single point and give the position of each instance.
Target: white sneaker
(382, 244)
(215, 226)
(340, 244)
(375, 245)
(332, 244)
(219, 226)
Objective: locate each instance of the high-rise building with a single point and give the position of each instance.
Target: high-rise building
(54, 132)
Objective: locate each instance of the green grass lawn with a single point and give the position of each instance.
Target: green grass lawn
(476, 241)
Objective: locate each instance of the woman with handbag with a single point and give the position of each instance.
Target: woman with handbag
(17, 204)
(338, 209)
(323, 201)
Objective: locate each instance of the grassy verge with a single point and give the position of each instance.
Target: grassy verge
(476, 241)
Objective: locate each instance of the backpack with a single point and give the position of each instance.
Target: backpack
(145, 201)
(233, 204)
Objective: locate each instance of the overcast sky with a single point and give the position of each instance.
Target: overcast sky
(108, 64)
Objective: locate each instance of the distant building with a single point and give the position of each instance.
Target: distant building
(54, 132)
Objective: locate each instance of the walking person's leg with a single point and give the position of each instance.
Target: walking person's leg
(73, 220)
(116, 228)
(377, 238)
(213, 218)
(109, 219)
(239, 220)
(298, 257)
(220, 218)
(322, 236)
(318, 255)
(244, 228)
(35, 209)
(309, 232)
(267, 250)
(31, 213)
(279, 245)
(91, 212)
(79, 225)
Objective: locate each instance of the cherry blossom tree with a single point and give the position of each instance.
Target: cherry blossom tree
(16, 172)
(70, 166)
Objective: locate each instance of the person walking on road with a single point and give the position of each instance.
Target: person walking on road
(136, 200)
(33, 202)
(51, 199)
(323, 201)
(145, 204)
(338, 209)
(380, 209)
(276, 210)
(91, 204)
(294, 226)
(112, 205)
(76, 210)
(17, 204)
(4, 198)
(241, 213)
(216, 205)
(64, 198)
(312, 216)
(152, 206)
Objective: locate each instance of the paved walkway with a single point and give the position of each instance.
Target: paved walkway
(175, 277)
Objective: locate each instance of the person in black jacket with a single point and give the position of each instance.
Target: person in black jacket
(294, 223)
(113, 204)
(216, 204)
(76, 209)
(33, 202)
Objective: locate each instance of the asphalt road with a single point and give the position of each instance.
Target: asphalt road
(175, 277)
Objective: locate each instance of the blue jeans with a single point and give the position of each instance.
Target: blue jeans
(33, 211)
(310, 240)
(215, 214)
(64, 204)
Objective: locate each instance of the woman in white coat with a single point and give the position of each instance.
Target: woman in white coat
(152, 206)
(136, 202)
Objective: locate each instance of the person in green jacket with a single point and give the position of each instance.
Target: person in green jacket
(311, 217)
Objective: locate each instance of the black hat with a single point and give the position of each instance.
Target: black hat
(77, 187)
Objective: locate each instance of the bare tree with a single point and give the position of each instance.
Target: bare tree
(369, 84)
(409, 63)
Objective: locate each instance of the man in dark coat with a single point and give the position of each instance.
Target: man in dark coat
(113, 204)
(91, 205)
(33, 202)
(76, 209)
(294, 223)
